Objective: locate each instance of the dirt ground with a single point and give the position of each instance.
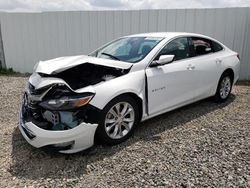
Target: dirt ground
(201, 145)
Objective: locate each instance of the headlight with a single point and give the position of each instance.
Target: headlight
(66, 103)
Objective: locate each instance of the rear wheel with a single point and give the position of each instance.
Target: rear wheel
(118, 120)
(224, 88)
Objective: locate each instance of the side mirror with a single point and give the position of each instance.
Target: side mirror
(163, 59)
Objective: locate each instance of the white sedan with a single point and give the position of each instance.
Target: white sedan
(71, 102)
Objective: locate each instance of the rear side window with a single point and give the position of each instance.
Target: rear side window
(217, 47)
(202, 46)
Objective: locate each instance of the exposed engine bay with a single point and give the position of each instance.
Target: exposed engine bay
(57, 107)
(88, 74)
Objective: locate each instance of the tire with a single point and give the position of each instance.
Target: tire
(106, 129)
(224, 88)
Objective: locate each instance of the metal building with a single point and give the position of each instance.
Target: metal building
(30, 37)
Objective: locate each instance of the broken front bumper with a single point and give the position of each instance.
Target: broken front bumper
(65, 141)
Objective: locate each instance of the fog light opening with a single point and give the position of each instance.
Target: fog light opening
(64, 144)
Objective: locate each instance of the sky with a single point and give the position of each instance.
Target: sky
(71, 5)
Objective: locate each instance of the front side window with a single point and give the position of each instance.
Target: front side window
(177, 47)
(128, 49)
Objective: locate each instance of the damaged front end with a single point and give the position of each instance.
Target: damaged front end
(58, 118)
(55, 109)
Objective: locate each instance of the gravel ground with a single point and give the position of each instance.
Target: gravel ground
(202, 145)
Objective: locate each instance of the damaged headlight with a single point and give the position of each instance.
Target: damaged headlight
(66, 103)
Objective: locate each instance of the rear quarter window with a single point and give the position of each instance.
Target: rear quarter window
(217, 47)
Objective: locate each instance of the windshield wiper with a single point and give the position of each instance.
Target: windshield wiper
(113, 57)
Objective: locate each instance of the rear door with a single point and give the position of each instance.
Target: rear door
(207, 62)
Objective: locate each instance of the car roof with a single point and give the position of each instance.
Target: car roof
(166, 34)
(170, 35)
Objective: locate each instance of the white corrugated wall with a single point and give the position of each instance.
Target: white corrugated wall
(30, 37)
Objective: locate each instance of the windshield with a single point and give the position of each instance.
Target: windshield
(128, 49)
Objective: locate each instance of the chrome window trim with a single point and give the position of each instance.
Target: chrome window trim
(183, 36)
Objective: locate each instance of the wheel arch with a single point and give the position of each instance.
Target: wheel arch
(137, 98)
(227, 72)
(230, 72)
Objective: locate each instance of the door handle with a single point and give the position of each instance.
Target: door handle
(190, 67)
(218, 60)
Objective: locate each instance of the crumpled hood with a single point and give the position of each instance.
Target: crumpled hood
(63, 63)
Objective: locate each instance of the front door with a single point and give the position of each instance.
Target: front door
(172, 84)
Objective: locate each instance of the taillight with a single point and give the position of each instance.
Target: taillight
(238, 56)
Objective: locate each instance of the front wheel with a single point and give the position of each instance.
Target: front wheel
(118, 120)
(224, 88)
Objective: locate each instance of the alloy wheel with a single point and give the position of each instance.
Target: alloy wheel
(119, 120)
(225, 87)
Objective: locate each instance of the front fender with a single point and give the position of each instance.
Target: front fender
(133, 82)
